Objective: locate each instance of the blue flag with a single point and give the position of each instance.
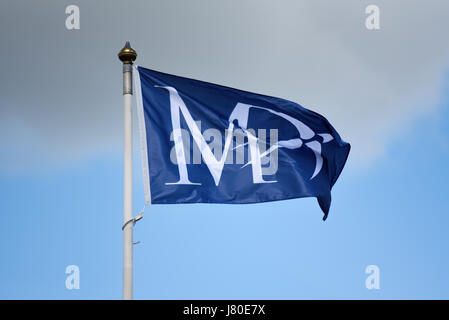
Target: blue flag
(203, 142)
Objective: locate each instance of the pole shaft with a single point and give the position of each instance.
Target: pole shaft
(127, 185)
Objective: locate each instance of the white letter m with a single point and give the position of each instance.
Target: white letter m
(214, 165)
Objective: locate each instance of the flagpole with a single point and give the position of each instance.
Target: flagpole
(127, 55)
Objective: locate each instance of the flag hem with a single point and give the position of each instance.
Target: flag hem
(143, 137)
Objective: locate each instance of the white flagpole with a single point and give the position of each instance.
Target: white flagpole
(127, 55)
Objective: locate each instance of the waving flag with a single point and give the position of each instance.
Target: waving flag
(203, 142)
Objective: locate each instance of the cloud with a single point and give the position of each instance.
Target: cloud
(60, 90)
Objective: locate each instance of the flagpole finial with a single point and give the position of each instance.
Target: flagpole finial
(127, 55)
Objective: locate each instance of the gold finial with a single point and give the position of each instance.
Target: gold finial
(127, 54)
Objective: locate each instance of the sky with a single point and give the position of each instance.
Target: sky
(385, 91)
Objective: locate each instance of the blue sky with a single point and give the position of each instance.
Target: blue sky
(393, 215)
(61, 150)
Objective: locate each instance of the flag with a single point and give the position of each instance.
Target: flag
(207, 143)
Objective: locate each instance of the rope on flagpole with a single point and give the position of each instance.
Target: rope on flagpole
(135, 219)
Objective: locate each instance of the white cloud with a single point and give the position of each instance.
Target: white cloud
(62, 99)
